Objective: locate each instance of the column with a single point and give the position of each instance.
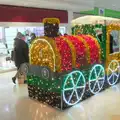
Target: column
(70, 18)
(3, 35)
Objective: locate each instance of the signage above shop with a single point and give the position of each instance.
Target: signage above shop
(101, 11)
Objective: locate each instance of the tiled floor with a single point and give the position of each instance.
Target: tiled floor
(15, 105)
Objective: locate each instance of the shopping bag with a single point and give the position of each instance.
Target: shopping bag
(21, 78)
(22, 73)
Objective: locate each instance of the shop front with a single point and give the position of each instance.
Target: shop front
(26, 21)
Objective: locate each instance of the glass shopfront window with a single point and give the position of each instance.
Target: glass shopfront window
(7, 38)
(10, 34)
(2, 43)
(7, 35)
(62, 30)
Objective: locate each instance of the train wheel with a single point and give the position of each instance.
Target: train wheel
(74, 87)
(96, 79)
(113, 72)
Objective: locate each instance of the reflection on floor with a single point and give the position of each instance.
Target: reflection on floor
(15, 105)
(6, 65)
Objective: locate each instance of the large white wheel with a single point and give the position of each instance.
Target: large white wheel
(74, 87)
(96, 79)
(113, 72)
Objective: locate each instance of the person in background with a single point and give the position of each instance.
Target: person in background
(33, 36)
(23, 37)
(21, 52)
(27, 37)
(65, 34)
(19, 36)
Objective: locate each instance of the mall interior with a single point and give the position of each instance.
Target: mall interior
(60, 60)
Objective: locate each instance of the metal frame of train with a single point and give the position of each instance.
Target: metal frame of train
(50, 83)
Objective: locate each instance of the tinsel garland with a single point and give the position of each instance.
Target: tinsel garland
(80, 51)
(65, 52)
(94, 52)
(51, 20)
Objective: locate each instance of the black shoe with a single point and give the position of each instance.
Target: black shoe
(25, 82)
(14, 79)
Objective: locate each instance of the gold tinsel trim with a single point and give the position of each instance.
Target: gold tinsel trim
(57, 53)
(30, 49)
(51, 20)
(47, 56)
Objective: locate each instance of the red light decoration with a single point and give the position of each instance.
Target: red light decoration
(70, 52)
(80, 51)
(65, 52)
(94, 50)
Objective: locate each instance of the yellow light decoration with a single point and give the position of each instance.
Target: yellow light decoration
(51, 20)
(86, 46)
(98, 45)
(56, 51)
(73, 51)
(115, 56)
(42, 53)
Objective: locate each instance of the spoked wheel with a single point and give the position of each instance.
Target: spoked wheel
(24, 68)
(113, 72)
(96, 79)
(74, 87)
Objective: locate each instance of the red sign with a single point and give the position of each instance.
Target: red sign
(24, 14)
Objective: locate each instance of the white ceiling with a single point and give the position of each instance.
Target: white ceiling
(109, 4)
(74, 5)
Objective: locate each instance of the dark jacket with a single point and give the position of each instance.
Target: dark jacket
(21, 52)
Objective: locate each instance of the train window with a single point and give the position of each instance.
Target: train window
(114, 41)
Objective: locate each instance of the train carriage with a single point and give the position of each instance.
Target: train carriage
(113, 59)
(64, 70)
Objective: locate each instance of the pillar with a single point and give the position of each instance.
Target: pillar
(70, 18)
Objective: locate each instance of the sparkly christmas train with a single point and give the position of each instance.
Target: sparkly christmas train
(65, 70)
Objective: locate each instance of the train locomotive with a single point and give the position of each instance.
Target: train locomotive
(65, 70)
